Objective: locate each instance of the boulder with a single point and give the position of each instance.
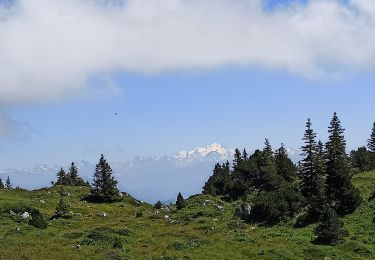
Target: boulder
(25, 215)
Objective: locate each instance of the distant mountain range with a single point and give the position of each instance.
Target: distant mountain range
(147, 178)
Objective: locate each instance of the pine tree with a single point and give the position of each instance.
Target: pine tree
(268, 177)
(1, 184)
(8, 184)
(73, 173)
(330, 230)
(371, 141)
(180, 202)
(244, 155)
(62, 178)
(267, 150)
(311, 172)
(284, 166)
(343, 196)
(237, 158)
(104, 186)
(73, 177)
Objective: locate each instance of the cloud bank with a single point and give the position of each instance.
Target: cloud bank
(50, 49)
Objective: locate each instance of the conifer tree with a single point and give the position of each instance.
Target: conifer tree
(371, 140)
(1, 184)
(268, 177)
(284, 166)
(311, 172)
(180, 202)
(237, 158)
(62, 178)
(104, 186)
(244, 155)
(73, 177)
(343, 196)
(330, 230)
(267, 150)
(73, 173)
(8, 184)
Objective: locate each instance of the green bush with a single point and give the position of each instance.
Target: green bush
(330, 230)
(117, 243)
(139, 214)
(158, 205)
(37, 219)
(275, 206)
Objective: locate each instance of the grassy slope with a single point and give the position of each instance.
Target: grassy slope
(196, 232)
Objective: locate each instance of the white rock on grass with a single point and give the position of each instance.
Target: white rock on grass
(25, 215)
(102, 214)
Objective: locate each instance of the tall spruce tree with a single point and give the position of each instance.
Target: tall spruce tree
(8, 184)
(73, 173)
(180, 202)
(311, 172)
(342, 194)
(371, 140)
(268, 177)
(267, 150)
(1, 184)
(104, 187)
(237, 161)
(73, 176)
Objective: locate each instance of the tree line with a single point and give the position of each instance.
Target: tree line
(317, 188)
(104, 186)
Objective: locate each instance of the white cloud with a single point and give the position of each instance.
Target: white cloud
(49, 48)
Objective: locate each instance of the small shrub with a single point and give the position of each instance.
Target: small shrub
(123, 232)
(139, 214)
(330, 230)
(37, 220)
(106, 237)
(62, 209)
(117, 243)
(158, 205)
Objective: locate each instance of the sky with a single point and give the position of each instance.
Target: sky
(125, 78)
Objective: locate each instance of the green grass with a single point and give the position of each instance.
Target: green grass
(196, 232)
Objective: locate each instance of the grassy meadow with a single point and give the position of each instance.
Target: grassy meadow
(206, 229)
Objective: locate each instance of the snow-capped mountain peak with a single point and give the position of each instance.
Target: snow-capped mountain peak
(214, 148)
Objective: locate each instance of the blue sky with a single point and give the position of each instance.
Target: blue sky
(237, 107)
(168, 103)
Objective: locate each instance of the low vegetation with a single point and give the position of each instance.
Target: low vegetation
(206, 228)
